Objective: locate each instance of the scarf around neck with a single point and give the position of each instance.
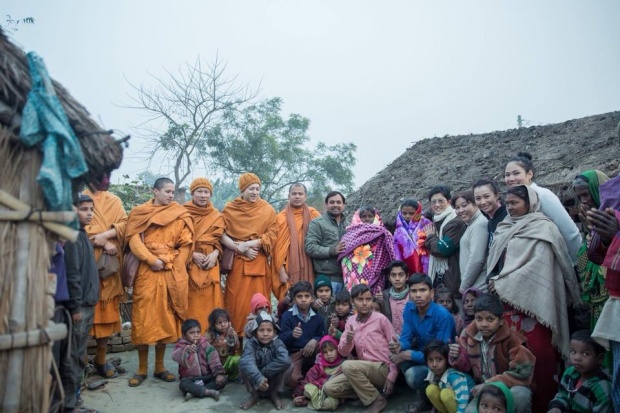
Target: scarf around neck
(299, 263)
(439, 265)
(398, 295)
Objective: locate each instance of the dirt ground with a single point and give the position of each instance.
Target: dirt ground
(157, 396)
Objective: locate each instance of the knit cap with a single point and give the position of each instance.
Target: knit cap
(247, 179)
(263, 317)
(259, 300)
(201, 183)
(322, 281)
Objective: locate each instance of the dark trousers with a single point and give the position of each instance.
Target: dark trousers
(64, 361)
(188, 385)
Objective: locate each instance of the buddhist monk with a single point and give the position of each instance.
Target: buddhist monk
(290, 261)
(107, 232)
(251, 233)
(160, 288)
(205, 291)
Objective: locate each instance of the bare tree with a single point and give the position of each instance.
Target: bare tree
(187, 104)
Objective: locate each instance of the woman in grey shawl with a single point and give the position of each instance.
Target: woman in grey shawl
(534, 277)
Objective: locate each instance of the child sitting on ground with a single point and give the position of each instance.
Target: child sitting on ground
(265, 363)
(395, 297)
(223, 337)
(585, 386)
(443, 297)
(493, 352)
(448, 389)
(302, 329)
(324, 303)
(258, 304)
(495, 397)
(343, 310)
(200, 370)
(310, 391)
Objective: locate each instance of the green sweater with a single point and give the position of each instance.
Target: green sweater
(593, 396)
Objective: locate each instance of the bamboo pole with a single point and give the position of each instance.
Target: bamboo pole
(53, 332)
(11, 202)
(40, 216)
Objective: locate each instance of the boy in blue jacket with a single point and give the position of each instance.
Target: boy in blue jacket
(302, 329)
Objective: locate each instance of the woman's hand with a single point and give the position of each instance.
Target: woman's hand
(429, 229)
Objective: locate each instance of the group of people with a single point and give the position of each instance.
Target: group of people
(481, 304)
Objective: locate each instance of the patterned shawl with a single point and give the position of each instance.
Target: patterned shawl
(368, 249)
(409, 238)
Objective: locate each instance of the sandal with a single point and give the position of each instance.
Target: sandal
(136, 380)
(165, 376)
(96, 384)
(106, 370)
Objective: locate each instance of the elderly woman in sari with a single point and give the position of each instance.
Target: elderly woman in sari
(591, 275)
(532, 272)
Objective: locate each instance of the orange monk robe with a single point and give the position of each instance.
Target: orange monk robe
(109, 213)
(282, 250)
(205, 291)
(248, 221)
(159, 297)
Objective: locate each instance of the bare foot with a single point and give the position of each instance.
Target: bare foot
(276, 400)
(251, 401)
(300, 401)
(377, 406)
(213, 393)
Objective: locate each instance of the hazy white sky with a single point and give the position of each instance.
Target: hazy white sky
(382, 74)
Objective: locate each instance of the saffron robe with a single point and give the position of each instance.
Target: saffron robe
(205, 291)
(282, 249)
(109, 213)
(248, 221)
(159, 297)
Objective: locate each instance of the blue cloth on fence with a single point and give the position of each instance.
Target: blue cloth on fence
(45, 122)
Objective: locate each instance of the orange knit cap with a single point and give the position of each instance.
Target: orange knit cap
(201, 183)
(246, 180)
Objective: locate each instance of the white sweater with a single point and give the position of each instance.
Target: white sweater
(473, 255)
(551, 206)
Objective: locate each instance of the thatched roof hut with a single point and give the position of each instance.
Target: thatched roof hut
(560, 151)
(26, 288)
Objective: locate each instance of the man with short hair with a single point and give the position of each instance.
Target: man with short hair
(323, 240)
(290, 261)
(423, 320)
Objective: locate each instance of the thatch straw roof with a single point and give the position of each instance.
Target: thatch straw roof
(101, 151)
(560, 151)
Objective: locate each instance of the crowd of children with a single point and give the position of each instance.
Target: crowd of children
(400, 315)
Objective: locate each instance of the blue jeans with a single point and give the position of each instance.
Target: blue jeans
(414, 374)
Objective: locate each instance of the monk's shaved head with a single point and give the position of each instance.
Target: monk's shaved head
(290, 188)
(160, 182)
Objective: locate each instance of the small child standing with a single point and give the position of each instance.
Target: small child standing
(302, 329)
(443, 297)
(395, 297)
(495, 397)
(448, 389)
(200, 370)
(223, 337)
(493, 352)
(310, 391)
(585, 386)
(324, 303)
(258, 304)
(343, 310)
(265, 363)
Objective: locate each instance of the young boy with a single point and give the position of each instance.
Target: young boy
(265, 363)
(343, 310)
(448, 389)
(395, 297)
(302, 329)
(495, 397)
(493, 352)
(200, 370)
(423, 320)
(370, 378)
(585, 386)
(80, 263)
(324, 303)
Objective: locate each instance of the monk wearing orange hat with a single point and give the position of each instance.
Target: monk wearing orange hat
(289, 259)
(160, 288)
(251, 233)
(107, 232)
(205, 291)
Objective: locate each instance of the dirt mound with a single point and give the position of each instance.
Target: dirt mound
(560, 152)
